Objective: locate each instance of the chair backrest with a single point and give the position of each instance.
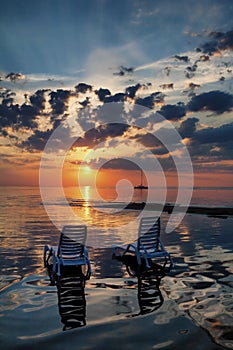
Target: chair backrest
(149, 232)
(72, 240)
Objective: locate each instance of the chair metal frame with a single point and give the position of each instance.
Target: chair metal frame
(148, 244)
(71, 250)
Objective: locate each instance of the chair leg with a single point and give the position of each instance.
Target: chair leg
(147, 263)
(47, 249)
(89, 271)
(58, 268)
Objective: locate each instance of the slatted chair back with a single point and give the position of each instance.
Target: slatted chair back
(72, 241)
(148, 234)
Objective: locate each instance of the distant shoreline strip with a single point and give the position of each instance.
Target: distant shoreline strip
(210, 211)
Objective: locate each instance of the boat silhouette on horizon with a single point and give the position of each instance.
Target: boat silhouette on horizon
(141, 186)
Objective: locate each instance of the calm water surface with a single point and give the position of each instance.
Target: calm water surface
(200, 285)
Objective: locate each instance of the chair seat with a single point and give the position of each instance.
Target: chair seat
(69, 261)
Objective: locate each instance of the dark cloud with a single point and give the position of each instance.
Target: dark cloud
(85, 103)
(210, 47)
(173, 112)
(188, 127)
(151, 100)
(219, 42)
(148, 140)
(193, 86)
(37, 141)
(9, 113)
(217, 135)
(24, 116)
(61, 139)
(225, 40)
(211, 145)
(120, 163)
(204, 58)
(167, 71)
(28, 114)
(131, 90)
(38, 99)
(151, 142)
(181, 58)
(95, 136)
(167, 86)
(83, 88)
(190, 71)
(216, 101)
(58, 101)
(102, 93)
(118, 97)
(15, 76)
(6, 93)
(124, 70)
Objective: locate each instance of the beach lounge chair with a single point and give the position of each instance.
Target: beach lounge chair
(148, 245)
(71, 250)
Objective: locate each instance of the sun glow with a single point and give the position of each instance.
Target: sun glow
(86, 169)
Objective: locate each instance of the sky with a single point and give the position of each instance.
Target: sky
(103, 74)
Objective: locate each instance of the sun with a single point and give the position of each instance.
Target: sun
(86, 169)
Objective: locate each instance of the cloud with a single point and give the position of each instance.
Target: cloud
(95, 136)
(190, 71)
(147, 140)
(193, 86)
(83, 88)
(102, 93)
(173, 112)
(167, 86)
(210, 147)
(151, 100)
(182, 58)
(216, 101)
(219, 42)
(9, 112)
(204, 58)
(37, 141)
(59, 101)
(120, 163)
(28, 114)
(220, 135)
(118, 97)
(15, 76)
(106, 96)
(132, 90)
(38, 99)
(188, 127)
(124, 70)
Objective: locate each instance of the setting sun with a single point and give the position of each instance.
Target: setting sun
(87, 169)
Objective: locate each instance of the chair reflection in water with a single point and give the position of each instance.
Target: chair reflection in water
(71, 298)
(69, 267)
(149, 294)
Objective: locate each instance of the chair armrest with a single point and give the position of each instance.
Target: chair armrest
(129, 246)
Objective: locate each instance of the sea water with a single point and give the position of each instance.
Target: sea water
(197, 292)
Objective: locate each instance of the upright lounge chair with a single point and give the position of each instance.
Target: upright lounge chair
(148, 245)
(70, 252)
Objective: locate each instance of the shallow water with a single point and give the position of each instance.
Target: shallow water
(197, 307)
